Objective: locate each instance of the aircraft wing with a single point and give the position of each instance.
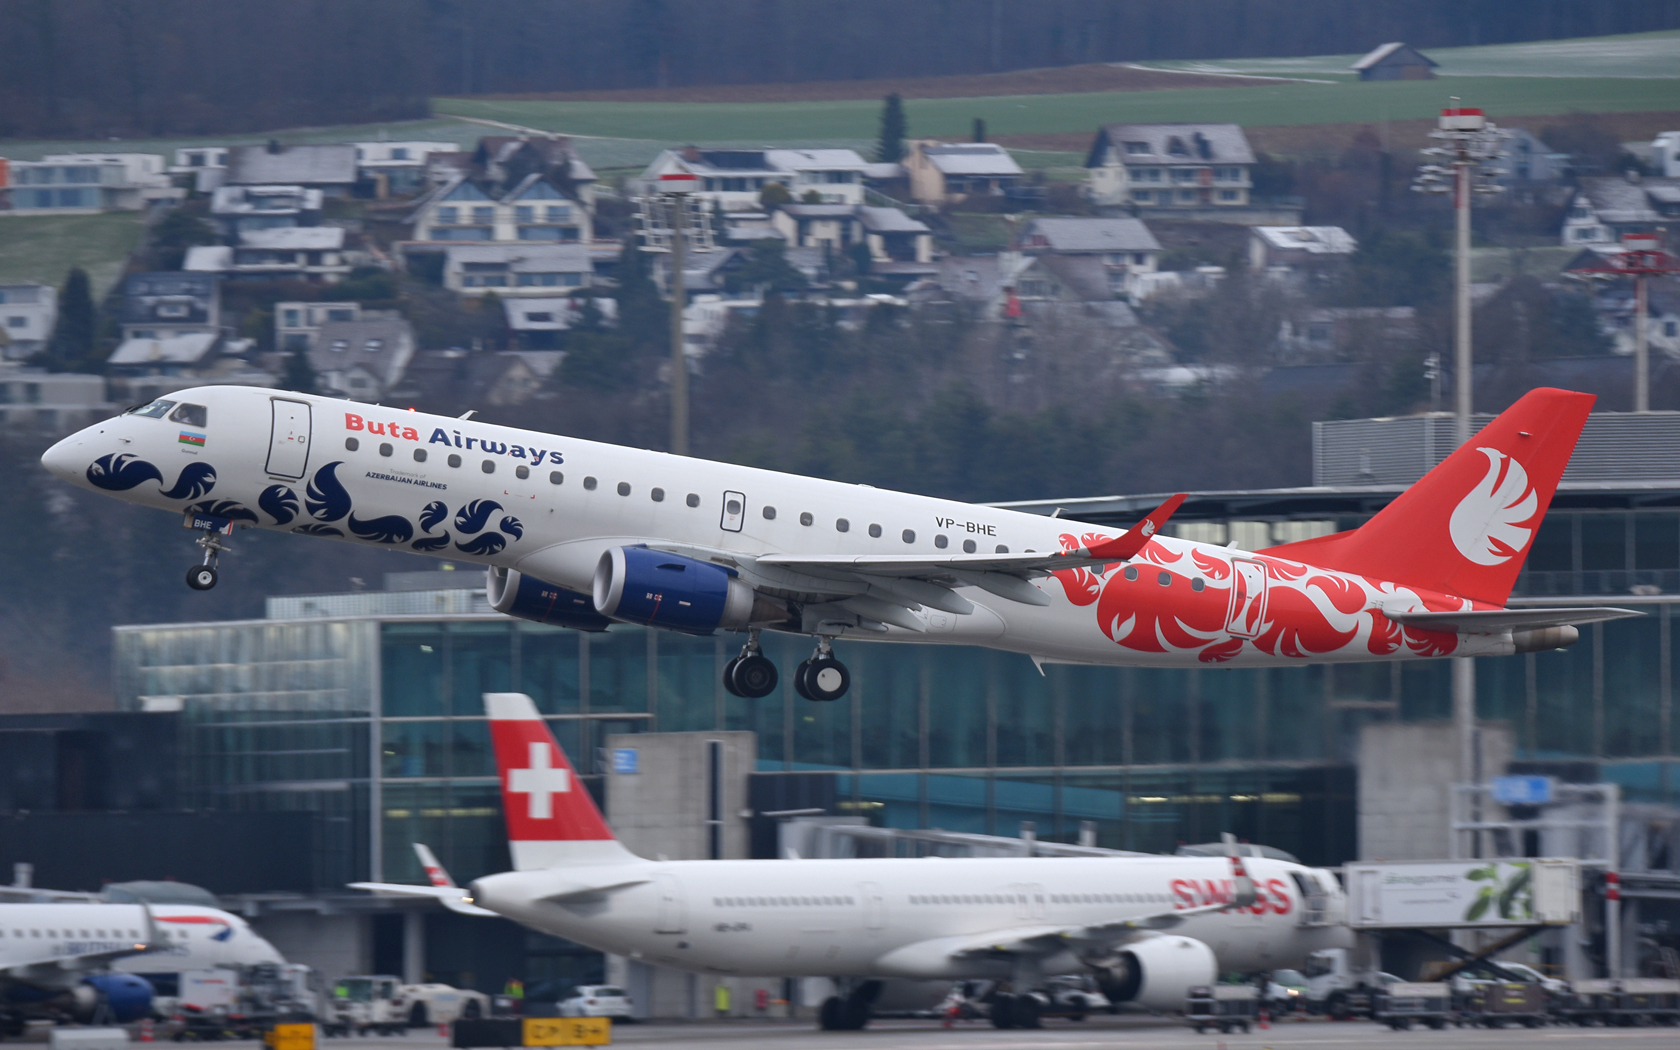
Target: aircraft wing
(452, 897)
(1046, 940)
(889, 588)
(1498, 621)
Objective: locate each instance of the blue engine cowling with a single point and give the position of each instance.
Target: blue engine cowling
(670, 591)
(529, 598)
(122, 997)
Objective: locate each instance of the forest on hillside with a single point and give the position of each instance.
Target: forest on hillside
(98, 68)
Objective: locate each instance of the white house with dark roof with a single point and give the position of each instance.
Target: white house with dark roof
(1122, 248)
(1299, 247)
(237, 209)
(528, 269)
(532, 210)
(28, 312)
(330, 169)
(947, 171)
(1603, 209)
(362, 359)
(1169, 166)
(1395, 61)
(732, 179)
(308, 252)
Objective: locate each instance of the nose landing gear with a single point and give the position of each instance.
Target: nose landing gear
(751, 674)
(822, 678)
(203, 576)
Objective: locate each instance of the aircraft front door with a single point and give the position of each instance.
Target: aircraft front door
(288, 441)
(1248, 598)
(874, 906)
(673, 910)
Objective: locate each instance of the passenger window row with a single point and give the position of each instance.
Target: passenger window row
(555, 477)
(1109, 898)
(969, 898)
(781, 902)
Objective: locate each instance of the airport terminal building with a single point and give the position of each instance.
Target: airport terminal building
(351, 725)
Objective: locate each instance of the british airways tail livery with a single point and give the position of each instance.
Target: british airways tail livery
(583, 534)
(1147, 927)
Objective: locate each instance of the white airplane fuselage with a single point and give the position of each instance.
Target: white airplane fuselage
(550, 507)
(897, 918)
(189, 938)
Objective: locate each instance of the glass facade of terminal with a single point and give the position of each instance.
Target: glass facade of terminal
(366, 709)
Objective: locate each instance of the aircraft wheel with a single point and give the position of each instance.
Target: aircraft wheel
(755, 676)
(799, 684)
(1027, 1012)
(823, 678)
(1003, 1011)
(828, 1018)
(201, 577)
(729, 676)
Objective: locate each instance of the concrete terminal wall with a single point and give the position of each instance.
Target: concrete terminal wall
(1405, 772)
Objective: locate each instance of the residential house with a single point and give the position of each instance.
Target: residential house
(1299, 249)
(1529, 161)
(171, 324)
(900, 248)
(447, 381)
(1614, 304)
(506, 160)
(1169, 166)
(533, 210)
(330, 169)
(200, 168)
(1124, 248)
(1332, 332)
(745, 227)
(1664, 154)
(363, 359)
(397, 167)
(238, 209)
(732, 179)
(296, 325)
(942, 172)
(54, 402)
(537, 322)
(528, 269)
(301, 252)
(1395, 61)
(75, 183)
(832, 226)
(1605, 208)
(27, 314)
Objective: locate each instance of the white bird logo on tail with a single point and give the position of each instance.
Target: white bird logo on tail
(1486, 525)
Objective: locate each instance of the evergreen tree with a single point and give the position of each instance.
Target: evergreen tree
(74, 346)
(299, 374)
(893, 130)
(979, 129)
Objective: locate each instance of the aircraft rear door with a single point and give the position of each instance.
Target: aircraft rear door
(1248, 598)
(673, 910)
(734, 512)
(874, 906)
(288, 441)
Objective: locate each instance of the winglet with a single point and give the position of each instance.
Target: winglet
(1123, 548)
(1244, 894)
(435, 873)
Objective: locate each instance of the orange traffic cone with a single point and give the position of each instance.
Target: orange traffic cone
(1265, 1019)
(443, 1029)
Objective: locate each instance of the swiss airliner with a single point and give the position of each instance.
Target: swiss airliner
(583, 534)
(1148, 928)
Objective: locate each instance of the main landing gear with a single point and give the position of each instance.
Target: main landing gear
(820, 678)
(202, 577)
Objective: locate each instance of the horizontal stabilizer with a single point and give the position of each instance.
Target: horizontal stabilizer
(1498, 621)
(452, 897)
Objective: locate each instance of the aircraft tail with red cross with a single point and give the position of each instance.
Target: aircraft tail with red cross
(551, 819)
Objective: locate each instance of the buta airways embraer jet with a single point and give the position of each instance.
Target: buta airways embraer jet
(582, 534)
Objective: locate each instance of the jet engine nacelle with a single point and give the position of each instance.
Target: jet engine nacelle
(1156, 972)
(121, 997)
(670, 591)
(529, 598)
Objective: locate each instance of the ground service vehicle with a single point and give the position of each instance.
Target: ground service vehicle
(597, 1000)
(383, 1005)
(1224, 1007)
(1403, 1004)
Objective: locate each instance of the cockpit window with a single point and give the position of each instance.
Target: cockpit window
(155, 410)
(191, 415)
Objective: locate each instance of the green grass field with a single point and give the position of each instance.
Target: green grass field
(1637, 55)
(42, 248)
(1279, 104)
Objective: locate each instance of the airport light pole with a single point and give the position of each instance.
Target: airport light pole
(1641, 258)
(669, 224)
(1469, 141)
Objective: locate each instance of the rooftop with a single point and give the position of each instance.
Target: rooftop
(1173, 144)
(970, 158)
(295, 238)
(1090, 235)
(1315, 240)
(304, 165)
(173, 350)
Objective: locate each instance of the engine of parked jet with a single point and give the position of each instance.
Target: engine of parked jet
(1156, 972)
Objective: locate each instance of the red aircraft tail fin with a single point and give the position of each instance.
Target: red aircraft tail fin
(1465, 527)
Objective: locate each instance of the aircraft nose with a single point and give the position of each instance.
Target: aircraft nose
(65, 459)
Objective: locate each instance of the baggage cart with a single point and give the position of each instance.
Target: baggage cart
(1497, 1004)
(1588, 1002)
(1404, 1004)
(1647, 1000)
(1224, 1007)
